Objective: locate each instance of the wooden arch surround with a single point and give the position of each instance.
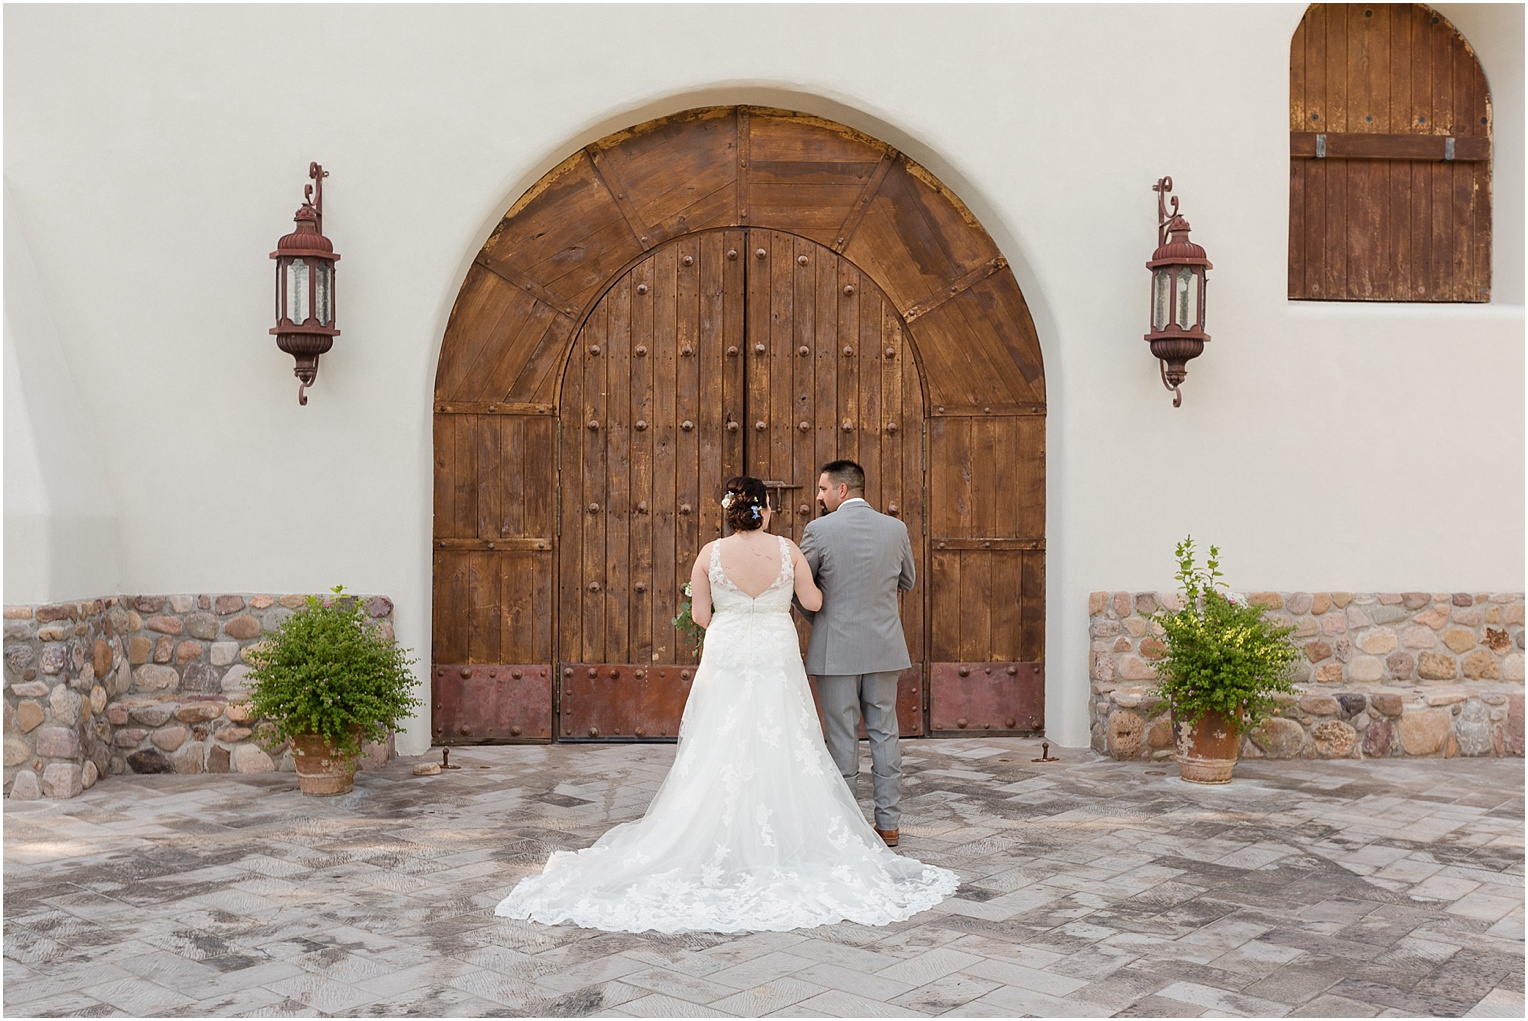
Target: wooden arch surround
(728, 290)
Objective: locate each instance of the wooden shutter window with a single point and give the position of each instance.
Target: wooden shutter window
(1390, 158)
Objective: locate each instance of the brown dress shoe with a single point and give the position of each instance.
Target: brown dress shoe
(890, 836)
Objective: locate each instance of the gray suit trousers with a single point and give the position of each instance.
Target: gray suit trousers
(844, 697)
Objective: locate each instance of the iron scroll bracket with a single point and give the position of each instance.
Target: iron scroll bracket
(1177, 392)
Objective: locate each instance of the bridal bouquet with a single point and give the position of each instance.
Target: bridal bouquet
(685, 622)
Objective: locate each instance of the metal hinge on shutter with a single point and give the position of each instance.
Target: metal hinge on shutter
(1448, 150)
(1320, 147)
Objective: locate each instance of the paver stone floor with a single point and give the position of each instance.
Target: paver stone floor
(1090, 888)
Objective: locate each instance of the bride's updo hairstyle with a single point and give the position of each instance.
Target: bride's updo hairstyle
(743, 503)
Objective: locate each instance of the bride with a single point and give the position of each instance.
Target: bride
(753, 829)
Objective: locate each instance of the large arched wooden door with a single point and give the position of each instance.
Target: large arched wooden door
(931, 336)
(723, 353)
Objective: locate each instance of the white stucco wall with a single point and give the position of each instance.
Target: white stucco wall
(61, 527)
(156, 154)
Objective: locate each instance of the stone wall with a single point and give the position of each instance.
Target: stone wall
(139, 684)
(1381, 674)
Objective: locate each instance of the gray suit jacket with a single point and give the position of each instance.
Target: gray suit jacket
(861, 558)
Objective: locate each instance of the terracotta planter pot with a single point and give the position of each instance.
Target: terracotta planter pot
(320, 770)
(1207, 749)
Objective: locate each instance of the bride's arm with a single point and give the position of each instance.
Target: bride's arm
(807, 592)
(700, 587)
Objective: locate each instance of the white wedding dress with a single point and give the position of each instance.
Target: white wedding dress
(753, 829)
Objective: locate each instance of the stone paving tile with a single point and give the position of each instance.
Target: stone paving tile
(1090, 888)
(1498, 1003)
(658, 1005)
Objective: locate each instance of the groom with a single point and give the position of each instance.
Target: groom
(861, 559)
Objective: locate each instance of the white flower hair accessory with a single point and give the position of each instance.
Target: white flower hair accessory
(727, 501)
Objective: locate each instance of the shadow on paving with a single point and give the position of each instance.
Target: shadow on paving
(1090, 888)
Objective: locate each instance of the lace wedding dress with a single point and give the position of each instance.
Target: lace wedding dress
(753, 829)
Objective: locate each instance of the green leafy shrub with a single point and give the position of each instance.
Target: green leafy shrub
(328, 670)
(685, 624)
(1223, 654)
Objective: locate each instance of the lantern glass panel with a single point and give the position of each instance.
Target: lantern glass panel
(298, 309)
(280, 275)
(323, 292)
(1161, 300)
(1184, 317)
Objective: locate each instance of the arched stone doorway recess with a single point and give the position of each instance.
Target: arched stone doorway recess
(727, 290)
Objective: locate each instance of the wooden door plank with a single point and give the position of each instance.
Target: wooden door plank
(567, 234)
(945, 588)
(916, 238)
(488, 452)
(688, 399)
(894, 469)
(847, 415)
(619, 502)
(445, 474)
(594, 512)
(484, 611)
(1032, 591)
(731, 309)
(541, 376)
(666, 574)
(791, 332)
(570, 541)
(976, 584)
(538, 468)
(953, 499)
(485, 308)
(448, 632)
(644, 336)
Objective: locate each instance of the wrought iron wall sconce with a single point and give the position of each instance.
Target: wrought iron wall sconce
(305, 286)
(1177, 295)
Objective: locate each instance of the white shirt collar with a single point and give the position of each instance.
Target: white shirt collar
(855, 499)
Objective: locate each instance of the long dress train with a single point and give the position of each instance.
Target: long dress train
(753, 829)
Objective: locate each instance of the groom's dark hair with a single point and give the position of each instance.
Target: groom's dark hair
(845, 473)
